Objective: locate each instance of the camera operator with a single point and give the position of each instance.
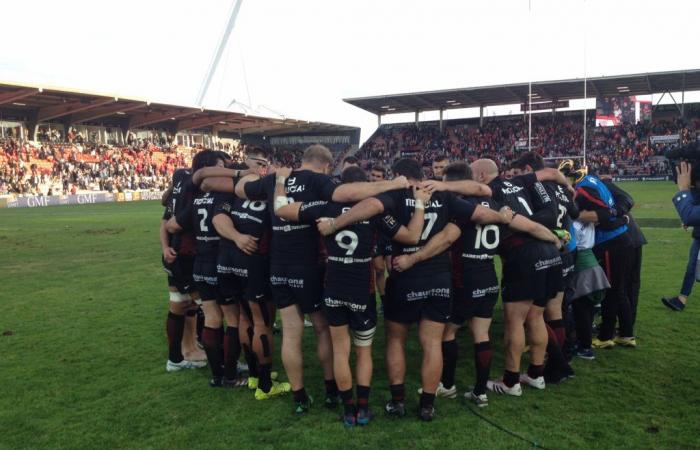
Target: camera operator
(687, 203)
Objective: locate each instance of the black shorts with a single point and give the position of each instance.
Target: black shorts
(207, 282)
(410, 300)
(532, 272)
(359, 313)
(297, 285)
(477, 297)
(568, 265)
(249, 281)
(180, 273)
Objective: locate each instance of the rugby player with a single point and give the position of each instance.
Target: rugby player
(422, 293)
(349, 161)
(476, 289)
(223, 359)
(178, 260)
(209, 178)
(243, 273)
(295, 272)
(531, 273)
(382, 257)
(349, 295)
(554, 208)
(438, 165)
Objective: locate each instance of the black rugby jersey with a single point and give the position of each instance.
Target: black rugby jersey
(203, 211)
(249, 217)
(478, 243)
(516, 194)
(351, 249)
(439, 210)
(293, 243)
(179, 206)
(565, 206)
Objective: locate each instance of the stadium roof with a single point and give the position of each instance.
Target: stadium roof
(39, 104)
(627, 85)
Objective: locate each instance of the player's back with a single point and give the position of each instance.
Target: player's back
(350, 250)
(293, 243)
(249, 217)
(478, 244)
(514, 193)
(203, 211)
(180, 199)
(401, 204)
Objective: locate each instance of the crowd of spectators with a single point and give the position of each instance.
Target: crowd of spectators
(622, 150)
(66, 168)
(51, 167)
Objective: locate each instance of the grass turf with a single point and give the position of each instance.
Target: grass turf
(83, 353)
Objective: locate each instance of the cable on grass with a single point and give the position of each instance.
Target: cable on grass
(504, 429)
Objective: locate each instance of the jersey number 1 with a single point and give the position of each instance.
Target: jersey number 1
(525, 205)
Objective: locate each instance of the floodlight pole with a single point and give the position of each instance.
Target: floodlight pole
(219, 52)
(683, 98)
(529, 117)
(529, 84)
(585, 86)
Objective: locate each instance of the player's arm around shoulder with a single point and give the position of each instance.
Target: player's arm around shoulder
(363, 210)
(467, 188)
(361, 190)
(551, 174)
(250, 187)
(534, 229)
(485, 215)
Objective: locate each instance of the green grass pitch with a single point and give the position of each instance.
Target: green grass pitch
(82, 356)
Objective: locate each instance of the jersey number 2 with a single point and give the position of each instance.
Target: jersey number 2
(560, 217)
(203, 223)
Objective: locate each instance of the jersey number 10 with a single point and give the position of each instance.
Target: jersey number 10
(482, 237)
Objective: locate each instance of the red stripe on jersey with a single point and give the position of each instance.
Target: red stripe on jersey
(264, 242)
(591, 198)
(322, 251)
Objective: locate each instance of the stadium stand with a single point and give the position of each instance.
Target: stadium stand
(51, 168)
(60, 141)
(623, 150)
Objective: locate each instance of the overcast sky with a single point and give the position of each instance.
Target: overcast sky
(301, 58)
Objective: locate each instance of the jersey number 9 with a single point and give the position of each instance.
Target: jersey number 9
(342, 239)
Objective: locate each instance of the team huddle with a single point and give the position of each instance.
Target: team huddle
(241, 247)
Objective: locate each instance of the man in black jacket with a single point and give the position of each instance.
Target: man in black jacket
(625, 203)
